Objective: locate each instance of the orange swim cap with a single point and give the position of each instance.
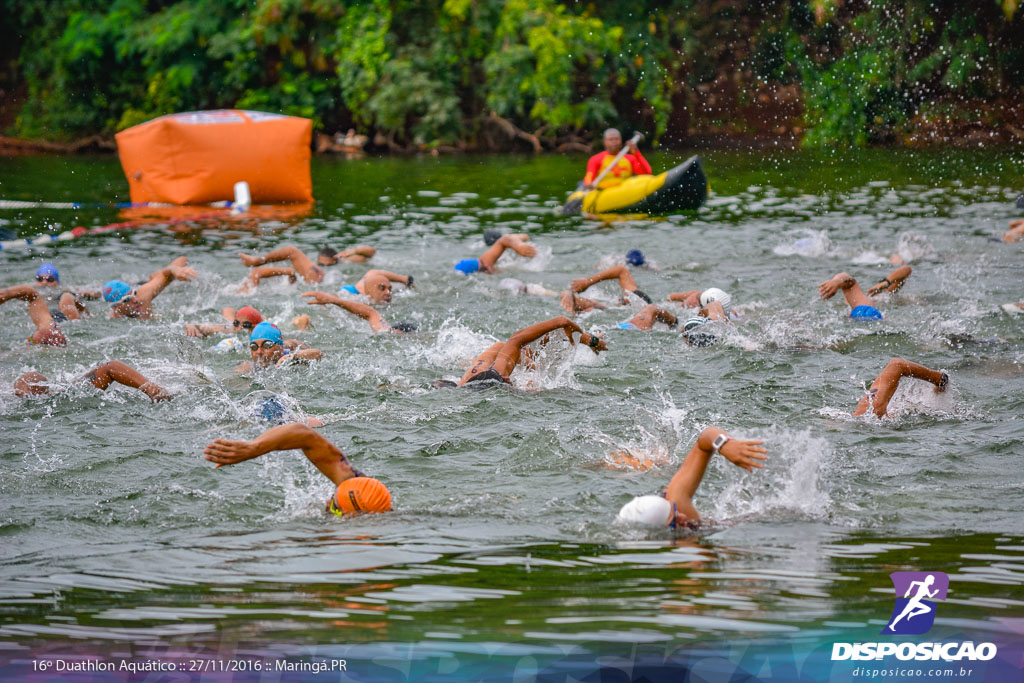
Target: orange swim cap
(358, 495)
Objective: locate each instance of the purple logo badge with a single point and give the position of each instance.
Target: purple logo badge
(914, 613)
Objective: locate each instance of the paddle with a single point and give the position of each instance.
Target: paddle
(576, 205)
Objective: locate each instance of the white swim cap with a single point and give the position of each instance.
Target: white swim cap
(513, 285)
(715, 294)
(538, 290)
(648, 510)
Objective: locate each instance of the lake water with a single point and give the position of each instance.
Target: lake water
(117, 537)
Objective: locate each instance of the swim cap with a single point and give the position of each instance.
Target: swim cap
(646, 510)
(491, 235)
(512, 284)
(249, 314)
(115, 290)
(468, 266)
(358, 495)
(266, 331)
(868, 312)
(693, 334)
(635, 257)
(48, 269)
(404, 327)
(270, 409)
(715, 294)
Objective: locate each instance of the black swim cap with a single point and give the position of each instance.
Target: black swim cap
(443, 384)
(405, 327)
(328, 252)
(1020, 202)
(491, 235)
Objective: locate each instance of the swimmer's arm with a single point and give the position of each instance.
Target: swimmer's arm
(394, 277)
(357, 254)
(690, 298)
(264, 272)
(828, 288)
(305, 355)
(684, 484)
(892, 282)
(228, 314)
(104, 375)
(204, 329)
(23, 292)
(159, 280)
(90, 294)
(327, 457)
(620, 273)
(365, 312)
(885, 385)
(714, 311)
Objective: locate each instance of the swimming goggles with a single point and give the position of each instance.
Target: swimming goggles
(45, 278)
(246, 325)
(266, 344)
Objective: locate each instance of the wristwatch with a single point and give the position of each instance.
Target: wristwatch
(719, 441)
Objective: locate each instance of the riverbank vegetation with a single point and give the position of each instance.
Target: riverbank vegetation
(527, 74)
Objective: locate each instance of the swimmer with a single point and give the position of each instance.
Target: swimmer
(860, 305)
(376, 284)
(695, 298)
(492, 235)
(101, 377)
(68, 302)
(377, 323)
(621, 273)
(127, 302)
(645, 319)
(485, 264)
(356, 493)
(47, 333)
(301, 264)
(500, 359)
(266, 345)
(274, 410)
(239, 322)
(674, 507)
(329, 256)
(884, 387)
(635, 258)
(1016, 231)
(519, 287)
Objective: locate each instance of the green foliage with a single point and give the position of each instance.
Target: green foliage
(430, 72)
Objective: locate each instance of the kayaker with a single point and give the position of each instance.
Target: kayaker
(877, 397)
(631, 164)
(860, 303)
(674, 507)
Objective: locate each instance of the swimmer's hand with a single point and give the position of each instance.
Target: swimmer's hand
(192, 330)
(320, 298)
(183, 273)
(745, 454)
(594, 342)
(226, 452)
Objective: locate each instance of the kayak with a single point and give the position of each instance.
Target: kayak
(683, 188)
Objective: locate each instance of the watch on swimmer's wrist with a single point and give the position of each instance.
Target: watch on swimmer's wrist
(594, 341)
(719, 441)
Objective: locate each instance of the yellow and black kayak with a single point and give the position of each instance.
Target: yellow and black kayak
(683, 188)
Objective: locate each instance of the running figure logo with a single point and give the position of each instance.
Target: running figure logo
(915, 612)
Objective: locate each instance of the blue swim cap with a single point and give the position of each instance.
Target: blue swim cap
(868, 312)
(266, 330)
(635, 257)
(270, 409)
(115, 290)
(468, 266)
(48, 269)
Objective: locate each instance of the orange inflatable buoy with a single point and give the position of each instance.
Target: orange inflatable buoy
(197, 157)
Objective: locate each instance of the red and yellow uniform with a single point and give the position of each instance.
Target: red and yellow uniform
(629, 165)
